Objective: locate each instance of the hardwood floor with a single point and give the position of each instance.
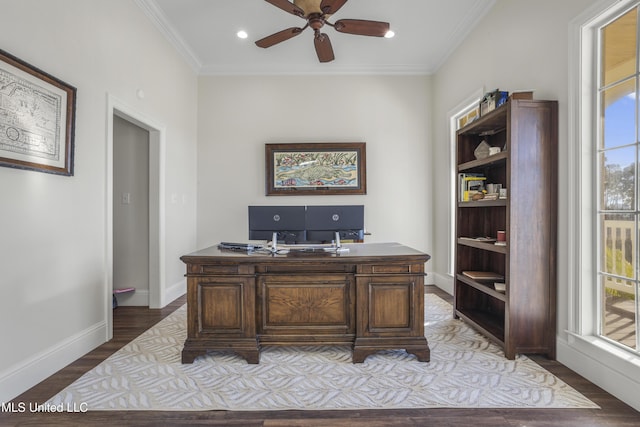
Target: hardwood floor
(129, 322)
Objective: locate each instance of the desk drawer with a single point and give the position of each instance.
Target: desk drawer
(391, 269)
(220, 269)
(306, 268)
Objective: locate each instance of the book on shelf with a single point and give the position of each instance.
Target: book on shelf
(490, 196)
(483, 275)
(470, 184)
(480, 238)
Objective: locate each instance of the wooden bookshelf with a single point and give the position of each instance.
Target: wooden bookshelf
(523, 318)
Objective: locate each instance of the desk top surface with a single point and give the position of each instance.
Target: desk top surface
(357, 252)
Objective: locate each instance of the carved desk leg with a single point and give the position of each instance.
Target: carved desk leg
(247, 348)
(364, 347)
(422, 352)
(189, 356)
(251, 356)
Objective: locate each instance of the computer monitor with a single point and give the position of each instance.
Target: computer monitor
(324, 221)
(287, 221)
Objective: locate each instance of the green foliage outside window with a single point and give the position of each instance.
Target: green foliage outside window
(614, 258)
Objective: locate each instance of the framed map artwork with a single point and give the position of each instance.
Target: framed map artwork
(315, 169)
(37, 118)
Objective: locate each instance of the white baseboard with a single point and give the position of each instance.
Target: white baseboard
(444, 282)
(20, 377)
(615, 382)
(176, 291)
(429, 278)
(138, 298)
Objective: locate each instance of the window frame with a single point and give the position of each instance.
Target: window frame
(601, 89)
(582, 320)
(457, 112)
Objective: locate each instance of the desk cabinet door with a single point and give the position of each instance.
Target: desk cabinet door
(390, 305)
(224, 306)
(305, 305)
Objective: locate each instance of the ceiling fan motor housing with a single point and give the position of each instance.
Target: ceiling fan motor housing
(316, 21)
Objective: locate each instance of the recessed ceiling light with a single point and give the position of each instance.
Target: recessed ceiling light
(242, 34)
(389, 34)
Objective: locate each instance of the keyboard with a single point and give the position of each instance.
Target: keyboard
(238, 246)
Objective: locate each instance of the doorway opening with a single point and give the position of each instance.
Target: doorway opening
(119, 112)
(131, 231)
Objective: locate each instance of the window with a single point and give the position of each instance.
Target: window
(460, 115)
(617, 211)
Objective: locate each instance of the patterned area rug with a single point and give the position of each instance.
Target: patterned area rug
(466, 371)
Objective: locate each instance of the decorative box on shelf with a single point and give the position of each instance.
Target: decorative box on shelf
(492, 100)
(522, 94)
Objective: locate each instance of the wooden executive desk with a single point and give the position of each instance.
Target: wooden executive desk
(371, 298)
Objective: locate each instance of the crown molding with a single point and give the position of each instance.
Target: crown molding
(159, 20)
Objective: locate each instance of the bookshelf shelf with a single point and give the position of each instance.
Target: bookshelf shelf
(484, 287)
(483, 203)
(486, 323)
(489, 161)
(523, 318)
(487, 246)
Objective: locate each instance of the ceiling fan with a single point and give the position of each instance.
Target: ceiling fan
(316, 13)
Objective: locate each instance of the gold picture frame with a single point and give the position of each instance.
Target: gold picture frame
(315, 169)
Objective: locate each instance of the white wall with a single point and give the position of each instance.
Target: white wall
(52, 256)
(238, 115)
(520, 44)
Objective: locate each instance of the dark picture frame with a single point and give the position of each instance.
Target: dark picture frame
(316, 168)
(37, 118)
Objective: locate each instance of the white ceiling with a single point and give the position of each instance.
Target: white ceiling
(204, 32)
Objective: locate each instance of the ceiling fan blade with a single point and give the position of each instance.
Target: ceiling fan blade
(323, 47)
(279, 37)
(287, 6)
(330, 7)
(361, 27)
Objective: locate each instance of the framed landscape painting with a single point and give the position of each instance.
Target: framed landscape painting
(315, 168)
(37, 118)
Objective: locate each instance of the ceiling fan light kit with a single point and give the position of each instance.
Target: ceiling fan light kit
(316, 13)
